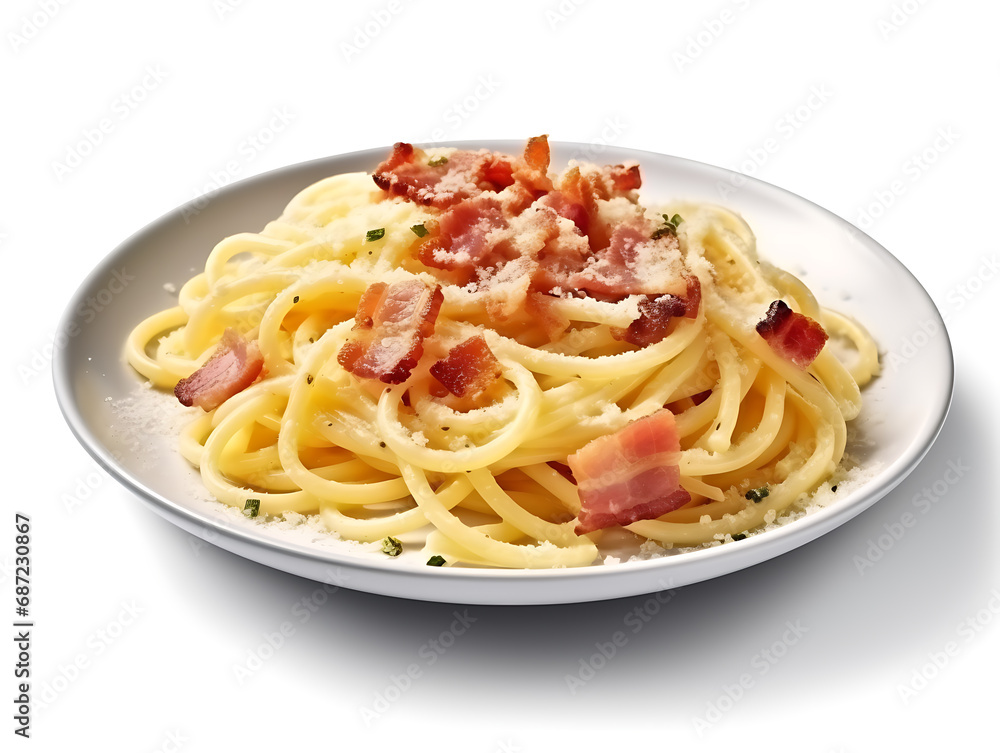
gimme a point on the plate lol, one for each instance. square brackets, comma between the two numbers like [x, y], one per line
[903, 412]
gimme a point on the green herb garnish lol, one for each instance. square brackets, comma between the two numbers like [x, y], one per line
[251, 508]
[739, 536]
[437, 161]
[295, 299]
[392, 547]
[374, 235]
[669, 226]
[436, 561]
[419, 230]
[756, 495]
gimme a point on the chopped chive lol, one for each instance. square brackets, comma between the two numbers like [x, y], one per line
[374, 235]
[437, 161]
[295, 299]
[392, 547]
[419, 230]
[756, 495]
[251, 508]
[436, 561]
[669, 226]
[739, 536]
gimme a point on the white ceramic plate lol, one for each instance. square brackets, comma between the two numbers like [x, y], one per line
[903, 413]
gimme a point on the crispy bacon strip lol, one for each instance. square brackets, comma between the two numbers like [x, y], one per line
[583, 191]
[462, 242]
[532, 170]
[470, 368]
[618, 270]
[503, 230]
[390, 326]
[629, 475]
[623, 177]
[792, 335]
[656, 313]
[463, 175]
[233, 367]
[566, 207]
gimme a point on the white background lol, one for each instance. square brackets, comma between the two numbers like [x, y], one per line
[884, 112]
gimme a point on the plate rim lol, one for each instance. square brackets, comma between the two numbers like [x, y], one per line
[295, 558]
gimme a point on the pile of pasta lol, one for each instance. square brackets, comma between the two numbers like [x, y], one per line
[488, 485]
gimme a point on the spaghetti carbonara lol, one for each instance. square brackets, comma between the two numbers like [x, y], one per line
[512, 361]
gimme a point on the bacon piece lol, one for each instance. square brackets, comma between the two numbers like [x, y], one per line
[792, 335]
[610, 274]
[537, 154]
[692, 298]
[545, 314]
[470, 368]
[653, 322]
[390, 326]
[233, 367]
[460, 176]
[629, 475]
[562, 205]
[462, 242]
[580, 189]
[655, 315]
[623, 177]
[634, 263]
[532, 169]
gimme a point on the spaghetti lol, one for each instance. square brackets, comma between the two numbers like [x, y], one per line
[436, 349]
